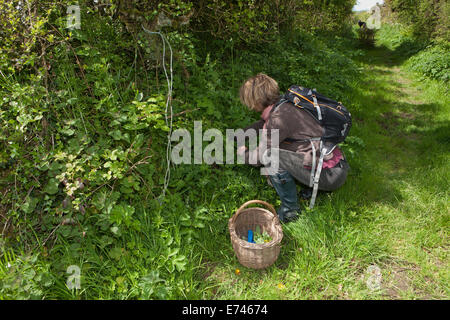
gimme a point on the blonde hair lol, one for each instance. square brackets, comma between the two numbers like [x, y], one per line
[259, 91]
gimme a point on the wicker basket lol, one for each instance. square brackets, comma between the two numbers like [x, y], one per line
[253, 255]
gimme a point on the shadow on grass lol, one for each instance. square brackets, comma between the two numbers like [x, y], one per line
[381, 55]
[400, 131]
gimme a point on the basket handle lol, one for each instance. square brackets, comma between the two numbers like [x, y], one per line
[268, 205]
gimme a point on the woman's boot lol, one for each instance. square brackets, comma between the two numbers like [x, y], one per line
[286, 188]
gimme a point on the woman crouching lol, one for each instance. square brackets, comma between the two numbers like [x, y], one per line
[296, 127]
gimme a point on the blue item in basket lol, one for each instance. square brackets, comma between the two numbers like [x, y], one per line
[250, 236]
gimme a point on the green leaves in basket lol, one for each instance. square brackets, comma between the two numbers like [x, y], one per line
[261, 238]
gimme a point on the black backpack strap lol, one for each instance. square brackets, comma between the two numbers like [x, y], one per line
[328, 147]
[279, 103]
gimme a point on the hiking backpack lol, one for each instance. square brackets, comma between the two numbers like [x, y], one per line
[331, 115]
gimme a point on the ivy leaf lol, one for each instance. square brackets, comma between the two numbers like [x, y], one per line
[67, 131]
[99, 200]
[52, 186]
[29, 205]
[105, 241]
[122, 213]
[179, 263]
[115, 253]
[116, 134]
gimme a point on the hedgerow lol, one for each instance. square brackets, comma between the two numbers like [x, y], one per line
[83, 132]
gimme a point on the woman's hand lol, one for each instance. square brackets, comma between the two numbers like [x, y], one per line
[241, 150]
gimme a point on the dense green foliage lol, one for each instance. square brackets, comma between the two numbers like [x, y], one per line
[414, 26]
[428, 18]
[433, 62]
[430, 60]
[83, 140]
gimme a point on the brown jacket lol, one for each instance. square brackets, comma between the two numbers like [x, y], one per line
[293, 123]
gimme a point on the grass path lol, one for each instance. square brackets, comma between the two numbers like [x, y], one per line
[413, 142]
[391, 219]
